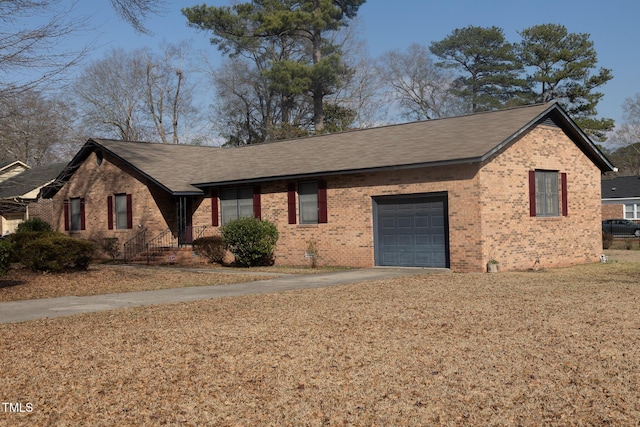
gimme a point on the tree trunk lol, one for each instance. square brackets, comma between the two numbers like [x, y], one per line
[318, 95]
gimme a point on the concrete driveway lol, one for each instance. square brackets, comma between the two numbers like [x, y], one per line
[20, 311]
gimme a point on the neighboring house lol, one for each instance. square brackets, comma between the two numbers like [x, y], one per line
[11, 168]
[19, 190]
[521, 186]
[621, 198]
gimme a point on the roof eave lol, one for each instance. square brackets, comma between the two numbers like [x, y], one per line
[336, 173]
[87, 149]
[578, 136]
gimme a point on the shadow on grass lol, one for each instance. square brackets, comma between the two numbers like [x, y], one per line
[10, 283]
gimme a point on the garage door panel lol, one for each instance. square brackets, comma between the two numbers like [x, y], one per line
[412, 232]
[389, 222]
[405, 240]
[390, 240]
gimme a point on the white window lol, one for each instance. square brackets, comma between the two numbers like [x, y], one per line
[632, 211]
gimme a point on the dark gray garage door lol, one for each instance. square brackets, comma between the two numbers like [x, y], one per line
[411, 231]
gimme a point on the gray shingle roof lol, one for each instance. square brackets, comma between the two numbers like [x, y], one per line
[621, 187]
[472, 138]
[30, 179]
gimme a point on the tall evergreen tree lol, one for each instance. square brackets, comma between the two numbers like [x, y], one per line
[562, 65]
[313, 64]
[488, 66]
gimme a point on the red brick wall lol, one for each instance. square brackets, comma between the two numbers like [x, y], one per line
[95, 183]
[347, 237]
[519, 241]
[612, 211]
[488, 208]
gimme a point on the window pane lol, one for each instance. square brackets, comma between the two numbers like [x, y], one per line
[245, 202]
[236, 203]
[547, 203]
[308, 199]
[75, 214]
[629, 211]
[121, 211]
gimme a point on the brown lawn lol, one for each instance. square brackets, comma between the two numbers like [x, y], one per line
[557, 347]
[23, 284]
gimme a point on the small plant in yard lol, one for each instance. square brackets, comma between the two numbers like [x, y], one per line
[5, 256]
[312, 252]
[607, 240]
[251, 241]
[211, 247]
[110, 246]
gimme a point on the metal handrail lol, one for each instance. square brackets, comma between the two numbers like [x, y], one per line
[135, 245]
[166, 239]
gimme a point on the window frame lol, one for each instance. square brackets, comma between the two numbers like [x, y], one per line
[238, 202]
[74, 214]
[121, 213]
[296, 208]
[635, 208]
[122, 220]
[548, 193]
[308, 211]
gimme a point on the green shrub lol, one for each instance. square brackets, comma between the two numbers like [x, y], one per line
[34, 224]
[212, 247]
[56, 252]
[23, 238]
[6, 249]
[251, 241]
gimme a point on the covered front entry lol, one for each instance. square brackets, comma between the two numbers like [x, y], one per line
[411, 231]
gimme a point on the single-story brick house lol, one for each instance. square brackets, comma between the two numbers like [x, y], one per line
[521, 186]
[621, 198]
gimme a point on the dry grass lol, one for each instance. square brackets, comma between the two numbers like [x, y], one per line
[557, 347]
[23, 284]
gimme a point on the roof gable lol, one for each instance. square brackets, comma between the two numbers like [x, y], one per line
[28, 183]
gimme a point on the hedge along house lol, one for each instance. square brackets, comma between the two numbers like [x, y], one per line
[521, 186]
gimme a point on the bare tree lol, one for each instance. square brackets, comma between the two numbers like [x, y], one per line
[34, 128]
[137, 95]
[135, 12]
[32, 33]
[362, 91]
[420, 88]
[168, 96]
[110, 94]
[625, 139]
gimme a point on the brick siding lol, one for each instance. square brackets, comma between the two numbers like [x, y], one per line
[95, 183]
[488, 208]
[612, 211]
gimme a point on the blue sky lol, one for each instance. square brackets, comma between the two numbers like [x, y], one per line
[388, 25]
